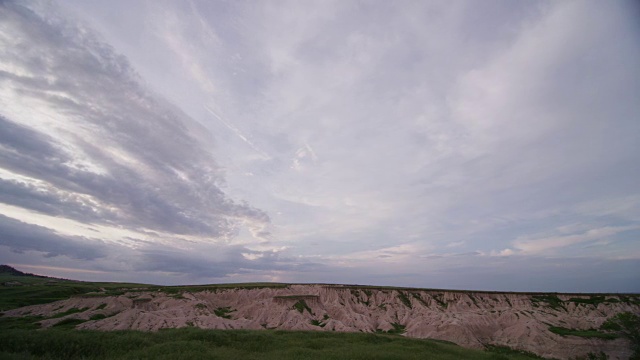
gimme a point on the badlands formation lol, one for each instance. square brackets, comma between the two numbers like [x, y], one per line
[470, 319]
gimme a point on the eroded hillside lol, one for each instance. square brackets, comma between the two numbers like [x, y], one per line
[545, 324]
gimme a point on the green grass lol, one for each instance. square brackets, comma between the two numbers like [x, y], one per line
[632, 300]
[627, 325]
[37, 290]
[358, 295]
[594, 300]
[98, 317]
[507, 351]
[473, 299]
[397, 329]
[405, 300]
[301, 306]
[215, 287]
[296, 297]
[591, 333]
[223, 312]
[439, 299]
[194, 343]
[419, 298]
[68, 323]
[69, 312]
[23, 323]
[552, 301]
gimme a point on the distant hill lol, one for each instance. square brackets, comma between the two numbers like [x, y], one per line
[8, 270]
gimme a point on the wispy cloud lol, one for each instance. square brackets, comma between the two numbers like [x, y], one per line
[83, 140]
[501, 128]
[530, 245]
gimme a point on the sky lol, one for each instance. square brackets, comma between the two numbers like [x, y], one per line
[489, 145]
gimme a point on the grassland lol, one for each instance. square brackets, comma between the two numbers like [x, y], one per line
[590, 333]
[194, 343]
[32, 290]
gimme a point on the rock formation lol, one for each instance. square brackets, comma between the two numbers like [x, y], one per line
[471, 319]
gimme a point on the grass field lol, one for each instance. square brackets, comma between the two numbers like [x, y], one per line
[32, 290]
[591, 333]
[193, 343]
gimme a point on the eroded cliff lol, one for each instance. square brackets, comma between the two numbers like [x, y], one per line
[471, 319]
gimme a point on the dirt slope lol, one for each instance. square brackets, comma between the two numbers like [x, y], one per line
[471, 319]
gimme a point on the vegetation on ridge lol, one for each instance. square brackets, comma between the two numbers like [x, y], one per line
[624, 324]
[301, 306]
[223, 312]
[405, 300]
[627, 325]
[589, 333]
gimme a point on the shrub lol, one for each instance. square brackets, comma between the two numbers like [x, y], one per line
[626, 324]
[223, 312]
[301, 306]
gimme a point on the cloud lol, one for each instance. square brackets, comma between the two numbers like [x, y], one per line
[139, 258]
[40, 268]
[455, 126]
[540, 245]
[93, 144]
[20, 237]
[215, 261]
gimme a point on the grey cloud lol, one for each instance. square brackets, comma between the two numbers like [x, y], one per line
[513, 273]
[28, 151]
[468, 123]
[20, 236]
[123, 188]
[177, 187]
[51, 203]
[28, 144]
[471, 253]
[215, 261]
[518, 273]
[185, 263]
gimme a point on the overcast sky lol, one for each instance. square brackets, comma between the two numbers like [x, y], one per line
[490, 145]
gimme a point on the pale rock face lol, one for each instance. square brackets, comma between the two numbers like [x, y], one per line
[471, 319]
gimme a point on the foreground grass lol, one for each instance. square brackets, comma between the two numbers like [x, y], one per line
[194, 343]
[590, 333]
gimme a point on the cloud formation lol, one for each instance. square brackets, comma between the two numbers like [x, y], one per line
[20, 237]
[263, 139]
[82, 139]
[102, 135]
